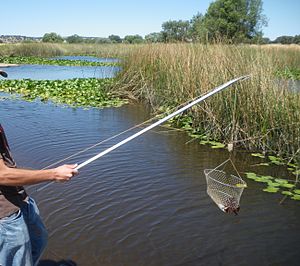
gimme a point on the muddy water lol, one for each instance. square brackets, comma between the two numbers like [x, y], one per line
[146, 202]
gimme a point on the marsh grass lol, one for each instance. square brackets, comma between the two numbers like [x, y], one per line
[59, 49]
[258, 114]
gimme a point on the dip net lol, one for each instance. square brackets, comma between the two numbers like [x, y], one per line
[225, 189]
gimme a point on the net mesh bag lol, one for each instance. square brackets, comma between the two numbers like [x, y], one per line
[224, 189]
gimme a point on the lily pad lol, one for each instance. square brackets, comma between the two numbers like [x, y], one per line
[296, 172]
[297, 191]
[288, 185]
[275, 160]
[281, 181]
[292, 165]
[251, 175]
[296, 197]
[204, 142]
[268, 177]
[271, 189]
[273, 184]
[261, 180]
[262, 164]
[218, 146]
[288, 193]
[258, 155]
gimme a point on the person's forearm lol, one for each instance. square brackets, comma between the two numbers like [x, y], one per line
[20, 177]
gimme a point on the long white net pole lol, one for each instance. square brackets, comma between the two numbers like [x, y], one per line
[198, 100]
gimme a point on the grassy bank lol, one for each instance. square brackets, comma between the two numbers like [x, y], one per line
[258, 114]
[59, 49]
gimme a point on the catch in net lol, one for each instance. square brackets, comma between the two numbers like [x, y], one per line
[225, 189]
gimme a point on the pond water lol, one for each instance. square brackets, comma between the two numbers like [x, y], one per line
[51, 72]
[42, 72]
[146, 202]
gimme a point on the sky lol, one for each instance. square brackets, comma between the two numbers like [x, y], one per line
[101, 18]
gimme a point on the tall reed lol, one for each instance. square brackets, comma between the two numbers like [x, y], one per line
[57, 49]
[261, 113]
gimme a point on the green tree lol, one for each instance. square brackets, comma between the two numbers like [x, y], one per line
[74, 39]
[52, 37]
[115, 38]
[197, 29]
[133, 39]
[154, 37]
[175, 30]
[236, 20]
[102, 40]
[297, 39]
[284, 40]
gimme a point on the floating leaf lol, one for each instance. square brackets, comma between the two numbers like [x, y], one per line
[195, 136]
[260, 179]
[296, 172]
[281, 181]
[218, 146]
[297, 191]
[268, 177]
[251, 175]
[204, 142]
[288, 193]
[273, 184]
[292, 165]
[296, 197]
[288, 185]
[271, 189]
[275, 160]
[262, 164]
[258, 155]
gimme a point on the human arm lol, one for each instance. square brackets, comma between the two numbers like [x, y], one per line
[19, 177]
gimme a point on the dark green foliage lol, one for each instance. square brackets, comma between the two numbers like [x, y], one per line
[235, 20]
[288, 39]
[289, 73]
[175, 30]
[197, 30]
[115, 38]
[75, 39]
[133, 39]
[52, 37]
[154, 37]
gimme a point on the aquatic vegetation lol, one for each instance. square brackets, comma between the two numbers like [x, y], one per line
[257, 114]
[46, 61]
[258, 155]
[289, 73]
[75, 92]
[275, 185]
